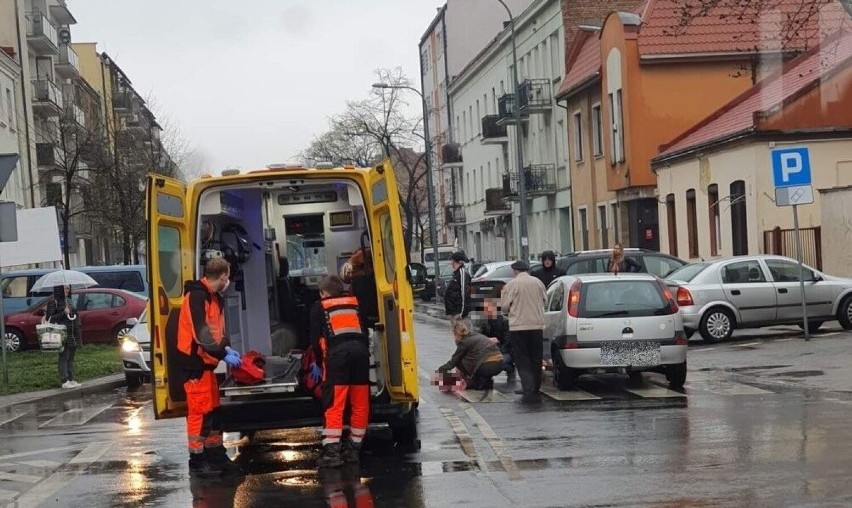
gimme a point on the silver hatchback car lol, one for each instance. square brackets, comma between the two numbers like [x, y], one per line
[719, 296]
[625, 322]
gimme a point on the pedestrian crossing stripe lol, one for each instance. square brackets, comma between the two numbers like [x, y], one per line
[75, 416]
[568, 395]
[655, 392]
[482, 396]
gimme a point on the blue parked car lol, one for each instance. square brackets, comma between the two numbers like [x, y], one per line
[16, 285]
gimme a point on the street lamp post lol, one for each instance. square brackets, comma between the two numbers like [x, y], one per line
[522, 184]
[430, 189]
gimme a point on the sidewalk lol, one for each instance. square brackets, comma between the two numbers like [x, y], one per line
[101, 384]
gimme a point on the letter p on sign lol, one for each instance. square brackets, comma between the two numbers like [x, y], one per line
[791, 166]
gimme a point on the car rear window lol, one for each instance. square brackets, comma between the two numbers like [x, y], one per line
[127, 280]
[622, 298]
[687, 272]
[586, 265]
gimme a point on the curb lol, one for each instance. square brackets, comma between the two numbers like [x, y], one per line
[92, 386]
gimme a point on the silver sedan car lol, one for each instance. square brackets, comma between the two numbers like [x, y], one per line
[613, 323]
[717, 297]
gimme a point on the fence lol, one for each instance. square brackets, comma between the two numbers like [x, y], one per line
[783, 243]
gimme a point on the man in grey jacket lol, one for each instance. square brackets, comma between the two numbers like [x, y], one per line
[523, 299]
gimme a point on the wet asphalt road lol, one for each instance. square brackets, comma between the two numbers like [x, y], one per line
[763, 421]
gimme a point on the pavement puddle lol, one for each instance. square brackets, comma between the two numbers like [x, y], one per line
[655, 392]
[568, 395]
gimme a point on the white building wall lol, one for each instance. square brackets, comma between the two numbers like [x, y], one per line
[474, 94]
[16, 188]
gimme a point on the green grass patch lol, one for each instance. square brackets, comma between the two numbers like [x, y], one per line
[33, 370]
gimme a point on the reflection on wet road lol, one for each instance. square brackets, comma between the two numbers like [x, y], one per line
[727, 439]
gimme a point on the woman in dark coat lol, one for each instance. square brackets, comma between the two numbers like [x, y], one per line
[61, 311]
[477, 358]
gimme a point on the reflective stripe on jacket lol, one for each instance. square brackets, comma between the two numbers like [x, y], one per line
[341, 318]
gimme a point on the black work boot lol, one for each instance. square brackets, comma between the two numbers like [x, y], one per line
[350, 452]
[330, 456]
[200, 465]
[218, 456]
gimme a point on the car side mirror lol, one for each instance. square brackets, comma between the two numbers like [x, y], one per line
[132, 321]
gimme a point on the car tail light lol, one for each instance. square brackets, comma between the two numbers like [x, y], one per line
[684, 297]
[574, 299]
[671, 299]
[680, 338]
[570, 345]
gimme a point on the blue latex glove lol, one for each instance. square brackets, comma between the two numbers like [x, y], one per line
[234, 352]
[316, 373]
[232, 359]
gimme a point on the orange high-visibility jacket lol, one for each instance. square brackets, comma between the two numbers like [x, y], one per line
[201, 327]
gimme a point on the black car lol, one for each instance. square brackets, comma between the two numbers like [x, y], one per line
[597, 261]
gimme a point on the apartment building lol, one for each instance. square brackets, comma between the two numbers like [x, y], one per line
[460, 29]
[18, 186]
[482, 101]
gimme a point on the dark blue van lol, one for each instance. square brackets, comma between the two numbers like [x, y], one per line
[16, 284]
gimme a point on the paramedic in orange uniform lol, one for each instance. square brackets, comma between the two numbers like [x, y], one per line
[202, 344]
[343, 361]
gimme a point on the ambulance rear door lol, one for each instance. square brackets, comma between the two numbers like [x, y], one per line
[170, 249]
[396, 303]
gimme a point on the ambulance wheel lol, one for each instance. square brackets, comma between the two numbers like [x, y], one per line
[404, 430]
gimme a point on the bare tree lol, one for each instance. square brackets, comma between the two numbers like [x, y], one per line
[378, 127]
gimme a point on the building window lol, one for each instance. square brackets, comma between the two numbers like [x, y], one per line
[671, 219]
[620, 126]
[474, 194]
[578, 136]
[478, 117]
[584, 229]
[613, 152]
[715, 220]
[739, 226]
[691, 223]
[614, 207]
[555, 61]
[53, 194]
[597, 130]
[603, 231]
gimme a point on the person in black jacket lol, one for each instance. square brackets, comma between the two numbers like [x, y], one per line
[619, 263]
[61, 311]
[548, 271]
[457, 296]
[497, 326]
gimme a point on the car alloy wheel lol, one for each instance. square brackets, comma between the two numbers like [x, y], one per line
[718, 324]
[13, 341]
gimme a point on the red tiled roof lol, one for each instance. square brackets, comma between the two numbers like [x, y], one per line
[728, 27]
[739, 115]
[586, 63]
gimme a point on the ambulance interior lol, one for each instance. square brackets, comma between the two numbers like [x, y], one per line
[281, 238]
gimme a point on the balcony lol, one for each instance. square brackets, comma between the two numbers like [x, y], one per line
[506, 109]
[74, 115]
[46, 156]
[451, 155]
[41, 34]
[122, 102]
[494, 204]
[47, 98]
[454, 215]
[539, 180]
[68, 64]
[536, 96]
[61, 13]
[493, 132]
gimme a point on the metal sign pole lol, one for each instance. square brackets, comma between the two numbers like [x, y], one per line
[3, 334]
[801, 272]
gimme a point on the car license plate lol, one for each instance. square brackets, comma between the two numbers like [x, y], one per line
[634, 354]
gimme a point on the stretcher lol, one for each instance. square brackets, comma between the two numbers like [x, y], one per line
[281, 375]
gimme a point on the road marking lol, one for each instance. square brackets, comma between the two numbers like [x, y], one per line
[460, 431]
[785, 340]
[76, 416]
[701, 350]
[714, 383]
[5, 458]
[9, 419]
[39, 463]
[655, 392]
[509, 465]
[91, 453]
[55, 482]
[748, 344]
[482, 396]
[562, 395]
[22, 478]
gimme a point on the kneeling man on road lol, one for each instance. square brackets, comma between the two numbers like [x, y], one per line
[523, 298]
[477, 357]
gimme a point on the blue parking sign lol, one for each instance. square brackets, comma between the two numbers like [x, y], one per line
[791, 167]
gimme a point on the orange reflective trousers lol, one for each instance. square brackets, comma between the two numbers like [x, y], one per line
[202, 400]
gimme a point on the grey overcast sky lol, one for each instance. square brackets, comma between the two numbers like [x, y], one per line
[251, 82]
